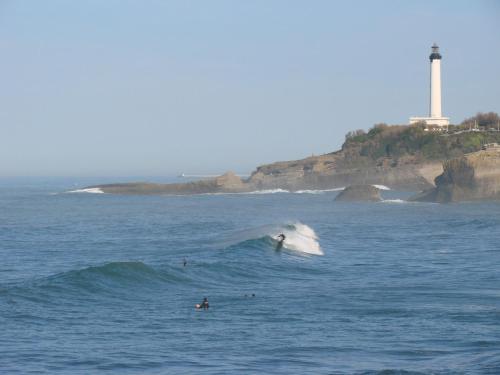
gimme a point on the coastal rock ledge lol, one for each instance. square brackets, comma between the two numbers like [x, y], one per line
[227, 183]
[359, 193]
[474, 176]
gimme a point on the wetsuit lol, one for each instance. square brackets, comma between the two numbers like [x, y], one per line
[281, 239]
[204, 305]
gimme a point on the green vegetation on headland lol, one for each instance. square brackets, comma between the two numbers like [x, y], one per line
[414, 142]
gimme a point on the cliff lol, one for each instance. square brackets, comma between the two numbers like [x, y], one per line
[339, 169]
[475, 176]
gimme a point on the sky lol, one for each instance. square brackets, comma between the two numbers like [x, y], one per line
[158, 88]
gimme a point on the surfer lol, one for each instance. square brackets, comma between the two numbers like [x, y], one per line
[204, 305]
[184, 262]
[281, 238]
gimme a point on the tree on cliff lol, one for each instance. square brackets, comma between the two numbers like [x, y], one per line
[488, 120]
[355, 134]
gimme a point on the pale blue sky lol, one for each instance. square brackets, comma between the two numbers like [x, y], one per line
[116, 88]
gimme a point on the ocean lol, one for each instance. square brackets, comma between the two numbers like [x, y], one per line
[96, 283]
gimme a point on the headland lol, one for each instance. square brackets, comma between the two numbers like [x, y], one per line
[403, 157]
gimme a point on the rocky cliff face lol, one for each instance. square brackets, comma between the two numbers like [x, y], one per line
[338, 170]
[474, 176]
[319, 172]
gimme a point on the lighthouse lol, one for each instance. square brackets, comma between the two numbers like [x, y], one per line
[435, 105]
[435, 121]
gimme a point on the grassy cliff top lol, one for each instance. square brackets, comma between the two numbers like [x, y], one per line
[413, 142]
[389, 146]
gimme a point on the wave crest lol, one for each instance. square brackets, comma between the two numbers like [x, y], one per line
[87, 190]
[111, 275]
[299, 238]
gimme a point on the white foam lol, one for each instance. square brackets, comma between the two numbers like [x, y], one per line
[382, 187]
[275, 191]
[302, 238]
[394, 201]
[280, 191]
[88, 190]
[318, 191]
[268, 191]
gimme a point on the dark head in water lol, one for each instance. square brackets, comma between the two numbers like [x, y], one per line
[281, 238]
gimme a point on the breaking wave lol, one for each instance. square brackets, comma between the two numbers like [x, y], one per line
[264, 191]
[394, 201]
[268, 191]
[382, 187]
[299, 238]
[255, 192]
[87, 190]
[302, 238]
[319, 191]
[280, 191]
[305, 191]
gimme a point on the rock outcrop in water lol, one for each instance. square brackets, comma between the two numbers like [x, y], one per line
[474, 176]
[227, 183]
[359, 193]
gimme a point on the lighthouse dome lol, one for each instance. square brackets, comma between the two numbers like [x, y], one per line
[435, 55]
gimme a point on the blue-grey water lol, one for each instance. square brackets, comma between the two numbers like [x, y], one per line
[95, 283]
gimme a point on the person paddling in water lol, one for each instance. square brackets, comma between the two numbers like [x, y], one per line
[204, 305]
[281, 238]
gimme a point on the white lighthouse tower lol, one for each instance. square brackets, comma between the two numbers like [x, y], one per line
[435, 119]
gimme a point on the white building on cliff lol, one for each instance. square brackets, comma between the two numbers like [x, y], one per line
[435, 121]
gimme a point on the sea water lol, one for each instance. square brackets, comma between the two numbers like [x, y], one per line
[95, 283]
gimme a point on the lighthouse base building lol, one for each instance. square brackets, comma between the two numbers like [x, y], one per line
[435, 121]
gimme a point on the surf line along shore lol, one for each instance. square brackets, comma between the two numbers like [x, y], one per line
[230, 183]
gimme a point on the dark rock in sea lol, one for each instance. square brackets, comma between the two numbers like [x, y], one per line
[474, 176]
[359, 193]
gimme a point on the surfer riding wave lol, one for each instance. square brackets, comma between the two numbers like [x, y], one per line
[281, 238]
[291, 236]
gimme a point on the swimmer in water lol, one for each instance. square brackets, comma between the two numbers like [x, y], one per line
[204, 305]
[281, 238]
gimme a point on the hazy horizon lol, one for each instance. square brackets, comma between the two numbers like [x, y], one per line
[129, 88]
